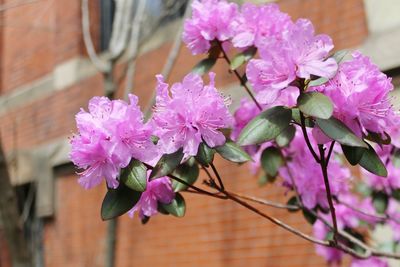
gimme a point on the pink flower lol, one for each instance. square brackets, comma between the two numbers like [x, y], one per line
[310, 51]
[191, 113]
[257, 24]
[210, 21]
[300, 53]
[157, 191]
[110, 134]
[272, 73]
[370, 262]
[360, 94]
[308, 176]
[243, 115]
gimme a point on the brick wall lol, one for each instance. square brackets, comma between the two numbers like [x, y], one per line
[35, 38]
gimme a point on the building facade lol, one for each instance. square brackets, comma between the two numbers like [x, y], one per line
[46, 77]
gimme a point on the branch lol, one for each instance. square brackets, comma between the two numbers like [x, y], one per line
[324, 170]
[306, 138]
[242, 82]
[330, 152]
[102, 66]
[266, 202]
[221, 184]
[379, 217]
[278, 222]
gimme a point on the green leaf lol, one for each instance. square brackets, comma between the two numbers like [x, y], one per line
[329, 236]
[353, 154]
[285, 137]
[154, 139]
[187, 172]
[372, 163]
[177, 207]
[311, 219]
[396, 158]
[205, 154]
[243, 57]
[264, 179]
[338, 131]
[340, 55]
[272, 160]
[296, 117]
[396, 194]
[266, 126]
[167, 164]
[232, 152]
[161, 209]
[135, 176]
[118, 201]
[204, 66]
[380, 201]
[318, 82]
[315, 104]
[145, 219]
[293, 202]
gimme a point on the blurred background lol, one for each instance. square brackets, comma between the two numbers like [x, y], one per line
[57, 54]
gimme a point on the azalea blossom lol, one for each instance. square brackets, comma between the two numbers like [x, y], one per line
[309, 51]
[258, 24]
[157, 191]
[360, 94]
[299, 54]
[272, 73]
[189, 113]
[210, 21]
[109, 135]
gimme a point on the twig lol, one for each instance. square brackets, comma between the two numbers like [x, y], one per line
[306, 138]
[375, 216]
[242, 82]
[296, 190]
[266, 202]
[324, 170]
[278, 222]
[328, 157]
[202, 191]
[221, 184]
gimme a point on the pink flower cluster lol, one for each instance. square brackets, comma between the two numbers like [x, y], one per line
[113, 131]
[300, 53]
[288, 49]
[211, 20]
[189, 113]
[360, 93]
[110, 134]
